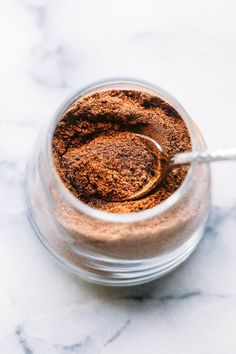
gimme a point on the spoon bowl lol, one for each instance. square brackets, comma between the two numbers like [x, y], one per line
[160, 175]
[170, 163]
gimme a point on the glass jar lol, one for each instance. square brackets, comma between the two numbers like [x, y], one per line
[110, 248]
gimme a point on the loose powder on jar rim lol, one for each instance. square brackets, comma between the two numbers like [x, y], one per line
[100, 159]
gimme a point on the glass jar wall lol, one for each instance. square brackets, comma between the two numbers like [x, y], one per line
[110, 248]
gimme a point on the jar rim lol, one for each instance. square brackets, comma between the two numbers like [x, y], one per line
[122, 83]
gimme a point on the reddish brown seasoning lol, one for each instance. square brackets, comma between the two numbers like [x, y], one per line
[99, 158]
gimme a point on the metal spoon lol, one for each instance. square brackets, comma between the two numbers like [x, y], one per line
[179, 160]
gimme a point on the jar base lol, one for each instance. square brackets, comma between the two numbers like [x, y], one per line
[108, 271]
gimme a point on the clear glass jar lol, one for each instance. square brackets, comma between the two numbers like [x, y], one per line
[141, 246]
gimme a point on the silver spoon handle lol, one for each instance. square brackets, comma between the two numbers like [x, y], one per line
[206, 156]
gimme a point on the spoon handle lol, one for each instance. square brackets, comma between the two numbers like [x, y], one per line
[203, 157]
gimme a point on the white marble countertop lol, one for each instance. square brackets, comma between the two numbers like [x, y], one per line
[48, 50]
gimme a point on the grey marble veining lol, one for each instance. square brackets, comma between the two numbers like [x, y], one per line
[48, 50]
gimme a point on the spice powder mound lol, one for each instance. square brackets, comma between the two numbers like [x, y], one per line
[100, 159]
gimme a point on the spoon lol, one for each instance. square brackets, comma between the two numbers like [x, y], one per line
[179, 160]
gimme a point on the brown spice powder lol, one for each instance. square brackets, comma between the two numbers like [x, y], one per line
[98, 157]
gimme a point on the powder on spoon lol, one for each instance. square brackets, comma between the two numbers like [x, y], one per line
[112, 167]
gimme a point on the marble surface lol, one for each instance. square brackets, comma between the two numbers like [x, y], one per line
[48, 50]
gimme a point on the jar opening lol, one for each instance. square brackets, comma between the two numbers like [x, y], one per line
[131, 216]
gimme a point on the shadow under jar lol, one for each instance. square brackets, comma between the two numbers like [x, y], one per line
[110, 248]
